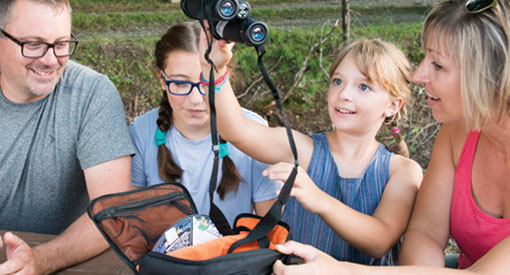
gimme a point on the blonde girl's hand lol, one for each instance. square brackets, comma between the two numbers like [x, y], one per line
[304, 188]
[316, 261]
[220, 55]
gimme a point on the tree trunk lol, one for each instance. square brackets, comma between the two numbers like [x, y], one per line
[346, 19]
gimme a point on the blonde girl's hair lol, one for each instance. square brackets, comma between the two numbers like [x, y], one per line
[184, 37]
[477, 44]
[383, 63]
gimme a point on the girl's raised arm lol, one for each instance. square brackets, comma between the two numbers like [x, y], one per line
[265, 144]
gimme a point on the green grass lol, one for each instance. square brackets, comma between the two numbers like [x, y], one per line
[100, 6]
[125, 21]
[134, 17]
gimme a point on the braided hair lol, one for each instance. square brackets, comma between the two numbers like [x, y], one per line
[184, 37]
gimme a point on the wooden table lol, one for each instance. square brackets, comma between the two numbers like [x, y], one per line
[105, 263]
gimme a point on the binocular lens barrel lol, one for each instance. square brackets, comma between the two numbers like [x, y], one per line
[257, 33]
[231, 20]
[247, 31]
[227, 9]
[223, 9]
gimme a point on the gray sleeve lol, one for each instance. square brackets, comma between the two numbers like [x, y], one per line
[103, 131]
[137, 163]
[263, 188]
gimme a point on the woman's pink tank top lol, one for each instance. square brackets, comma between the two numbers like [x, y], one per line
[474, 231]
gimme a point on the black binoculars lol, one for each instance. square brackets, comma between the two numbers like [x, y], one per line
[231, 20]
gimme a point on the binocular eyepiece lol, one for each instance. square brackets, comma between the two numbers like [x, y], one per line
[231, 20]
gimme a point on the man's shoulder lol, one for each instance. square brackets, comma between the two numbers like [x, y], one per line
[78, 75]
[80, 81]
[74, 69]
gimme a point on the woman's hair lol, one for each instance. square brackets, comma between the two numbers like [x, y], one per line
[184, 37]
[477, 44]
[383, 63]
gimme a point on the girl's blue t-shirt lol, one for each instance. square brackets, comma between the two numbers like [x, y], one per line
[195, 158]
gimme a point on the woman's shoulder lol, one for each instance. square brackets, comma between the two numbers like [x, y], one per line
[451, 138]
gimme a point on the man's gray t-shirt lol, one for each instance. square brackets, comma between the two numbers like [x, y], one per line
[45, 145]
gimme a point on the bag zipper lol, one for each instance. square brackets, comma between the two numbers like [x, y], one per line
[116, 211]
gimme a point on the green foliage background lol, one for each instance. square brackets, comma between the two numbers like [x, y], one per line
[117, 38]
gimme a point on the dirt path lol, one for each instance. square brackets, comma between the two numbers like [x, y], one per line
[398, 3]
[367, 3]
[315, 20]
[385, 14]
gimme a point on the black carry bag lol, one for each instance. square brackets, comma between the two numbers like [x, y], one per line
[133, 221]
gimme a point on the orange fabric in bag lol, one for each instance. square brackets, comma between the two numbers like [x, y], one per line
[220, 246]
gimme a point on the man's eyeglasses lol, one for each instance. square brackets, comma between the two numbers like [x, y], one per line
[477, 6]
[182, 87]
[36, 49]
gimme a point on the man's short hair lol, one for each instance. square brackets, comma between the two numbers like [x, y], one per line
[7, 5]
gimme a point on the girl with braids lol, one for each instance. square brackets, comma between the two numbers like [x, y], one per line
[173, 142]
[352, 197]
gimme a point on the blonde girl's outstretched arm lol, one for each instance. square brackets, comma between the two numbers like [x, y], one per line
[376, 234]
[265, 144]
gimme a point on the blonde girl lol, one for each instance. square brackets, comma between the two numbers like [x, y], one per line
[353, 197]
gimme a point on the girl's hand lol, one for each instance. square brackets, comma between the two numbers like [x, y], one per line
[304, 189]
[220, 55]
[316, 261]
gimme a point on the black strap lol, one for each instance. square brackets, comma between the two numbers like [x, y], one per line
[269, 221]
[273, 216]
[215, 213]
[276, 95]
[264, 242]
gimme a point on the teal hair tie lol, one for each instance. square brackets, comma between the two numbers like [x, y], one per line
[223, 150]
[159, 137]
